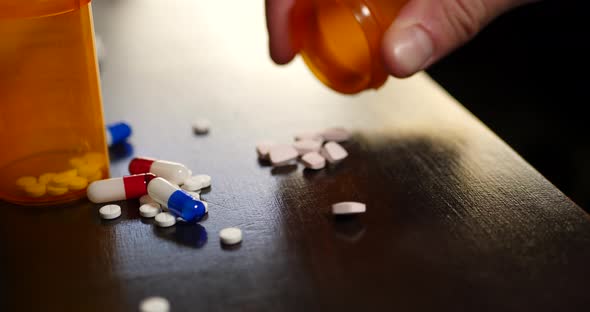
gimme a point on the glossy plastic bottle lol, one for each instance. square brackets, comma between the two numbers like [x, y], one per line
[51, 123]
[340, 40]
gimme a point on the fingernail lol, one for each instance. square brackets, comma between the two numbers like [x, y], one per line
[412, 48]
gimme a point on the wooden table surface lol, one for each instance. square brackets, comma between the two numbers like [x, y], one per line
[455, 221]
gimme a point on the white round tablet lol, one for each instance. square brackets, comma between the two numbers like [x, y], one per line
[348, 208]
[197, 182]
[165, 219]
[201, 126]
[149, 210]
[110, 212]
[230, 236]
[154, 304]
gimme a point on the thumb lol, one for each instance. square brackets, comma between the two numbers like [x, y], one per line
[427, 30]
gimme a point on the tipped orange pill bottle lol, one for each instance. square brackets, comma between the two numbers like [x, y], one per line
[51, 123]
[340, 40]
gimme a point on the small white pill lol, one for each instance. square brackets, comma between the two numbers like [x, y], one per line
[154, 304]
[348, 208]
[336, 134]
[146, 199]
[230, 236]
[315, 136]
[195, 195]
[333, 152]
[197, 182]
[281, 155]
[165, 219]
[110, 212]
[149, 210]
[263, 149]
[313, 161]
[201, 126]
[307, 146]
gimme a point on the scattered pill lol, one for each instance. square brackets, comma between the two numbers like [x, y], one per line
[149, 210]
[348, 208]
[117, 133]
[315, 136]
[24, 181]
[146, 199]
[115, 189]
[77, 183]
[197, 182]
[55, 190]
[336, 134]
[60, 180]
[179, 202]
[333, 152]
[154, 304]
[46, 177]
[230, 236]
[171, 171]
[263, 149]
[281, 155]
[110, 212]
[165, 219]
[35, 190]
[307, 146]
[313, 161]
[201, 126]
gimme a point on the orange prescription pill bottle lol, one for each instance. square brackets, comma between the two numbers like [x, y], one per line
[51, 124]
[340, 40]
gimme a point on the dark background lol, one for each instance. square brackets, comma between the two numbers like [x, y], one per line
[524, 77]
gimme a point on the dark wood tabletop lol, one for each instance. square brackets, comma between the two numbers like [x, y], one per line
[455, 221]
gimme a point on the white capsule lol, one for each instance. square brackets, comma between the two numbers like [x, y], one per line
[165, 219]
[333, 152]
[336, 134]
[313, 161]
[307, 146]
[149, 210]
[281, 155]
[171, 171]
[109, 212]
[348, 208]
[230, 236]
[263, 149]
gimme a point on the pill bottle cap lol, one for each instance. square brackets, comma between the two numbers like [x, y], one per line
[340, 41]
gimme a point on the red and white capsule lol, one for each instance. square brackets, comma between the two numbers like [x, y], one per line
[116, 189]
[171, 171]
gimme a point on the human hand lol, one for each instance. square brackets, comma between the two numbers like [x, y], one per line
[424, 31]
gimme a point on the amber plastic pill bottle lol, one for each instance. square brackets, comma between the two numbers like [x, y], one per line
[340, 40]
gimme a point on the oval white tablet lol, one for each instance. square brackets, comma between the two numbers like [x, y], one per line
[196, 183]
[348, 208]
[154, 304]
[165, 219]
[337, 134]
[281, 155]
[333, 152]
[230, 236]
[108, 212]
[149, 210]
[313, 161]
[307, 146]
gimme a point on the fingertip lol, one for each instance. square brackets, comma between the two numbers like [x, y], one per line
[281, 55]
[406, 50]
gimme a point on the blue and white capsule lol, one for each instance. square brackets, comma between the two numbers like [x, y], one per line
[117, 133]
[180, 203]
